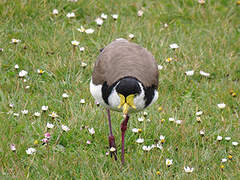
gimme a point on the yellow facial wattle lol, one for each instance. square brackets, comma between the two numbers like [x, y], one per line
[126, 103]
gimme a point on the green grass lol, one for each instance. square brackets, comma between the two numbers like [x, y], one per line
[208, 36]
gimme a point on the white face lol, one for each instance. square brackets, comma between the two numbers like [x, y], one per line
[114, 99]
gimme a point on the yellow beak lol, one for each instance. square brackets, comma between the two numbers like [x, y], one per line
[126, 103]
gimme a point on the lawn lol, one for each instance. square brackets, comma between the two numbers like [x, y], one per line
[197, 113]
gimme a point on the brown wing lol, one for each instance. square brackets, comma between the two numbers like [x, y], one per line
[122, 58]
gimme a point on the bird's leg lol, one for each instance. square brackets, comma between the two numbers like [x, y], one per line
[123, 129]
[111, 138]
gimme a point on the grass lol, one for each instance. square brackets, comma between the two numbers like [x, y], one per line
[208, 36]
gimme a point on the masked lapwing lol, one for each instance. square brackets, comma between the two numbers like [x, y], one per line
[125, 79]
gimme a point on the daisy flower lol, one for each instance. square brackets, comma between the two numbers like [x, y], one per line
[53, 115]
[219, 138]
[37, 114]
[162, 139]
[12, 147]
[99, 21]
[160, 67]
[171, 119]
[50, 126]
[88, 142]
[70, 15]
[44, 108]
[91, 131]
[234, 143]
[140, 140]
[75, 43]
[169, 59]
[81, 49]
[112, 149]
[16, 66]
[199, 113]
[204, 74]
[174, 46]
[31, 150]
[189, 73]
[24, 112]
[178, 121]
[55, 12]
[224, 160]
[227, 138]
[15, 41]
[11, 105]
[82, 101]
[40, 71]
[83, 64]
[221, 105]
[89, 31]
[81, 29]
[65, 128]
[188, 169]
[202, 132]
[115, 16]
[135, 130]
[131, 36]
[169, 162]
[141, 119]
[22, 73]
[104, 16]
[140, 13]
[147, 148]
[65, 95]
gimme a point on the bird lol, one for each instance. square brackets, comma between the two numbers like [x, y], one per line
[125, 78]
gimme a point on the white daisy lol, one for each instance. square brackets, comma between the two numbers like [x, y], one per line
[141, 119]
[55, 12]
[189, 73]
[104, 16]
[83, 64]
[44, 108]
[70, 15]
[81, 29]
[82, 101]
[50, 126]
[12, 147]
[112, 149]
[99, 21]
[91, 131]
[75, 43]
[89, 31]
[31, 150]
[169, 162]
[227, 138]
[146, 148]
[171, 119]
[15, 41]
[131, 36]
[174, 46]
[81, 49]
[24, 111]
[140, 13]
[234, 143]
[65, 95]
[16, 66]
[65, 128]
[188, 169]
[22, 73]
[160, 67]
[219, 138]
[221, 105]
[224, 160]
[199, 113]
[115, 16]
[204, 74]
[37, 114]
[140, 140]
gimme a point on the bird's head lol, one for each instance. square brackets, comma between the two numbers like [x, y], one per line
[128, 88]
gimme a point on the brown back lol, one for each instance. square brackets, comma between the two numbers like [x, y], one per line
[122, 58]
